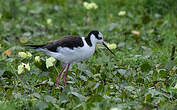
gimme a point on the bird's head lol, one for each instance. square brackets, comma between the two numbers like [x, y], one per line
[97, 37]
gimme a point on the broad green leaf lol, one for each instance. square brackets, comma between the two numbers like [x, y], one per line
[41, 105]
[2, 72]
[148, 97]
[94, 98]
[163, 73]
[37, 95]
[50, 99]
[82, 98]
[145, 67]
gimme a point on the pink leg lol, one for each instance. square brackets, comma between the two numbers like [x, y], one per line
[64, 78]
[59, 75]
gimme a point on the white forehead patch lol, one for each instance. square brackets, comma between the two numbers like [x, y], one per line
[100, 35]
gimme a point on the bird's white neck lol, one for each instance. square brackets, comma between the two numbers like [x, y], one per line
[93, 41]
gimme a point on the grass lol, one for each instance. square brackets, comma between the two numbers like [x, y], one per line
[140, 76]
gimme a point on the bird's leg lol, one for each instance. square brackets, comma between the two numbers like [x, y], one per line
[59, 75]
[64, 78]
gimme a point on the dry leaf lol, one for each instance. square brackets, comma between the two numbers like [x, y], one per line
[7, 52]
[135, 32]
[172, 72]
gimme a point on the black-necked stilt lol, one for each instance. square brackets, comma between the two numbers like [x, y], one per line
[72, 49]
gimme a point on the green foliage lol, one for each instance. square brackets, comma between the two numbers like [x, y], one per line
[140, 76]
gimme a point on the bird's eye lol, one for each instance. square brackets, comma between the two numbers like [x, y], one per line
[100, 38]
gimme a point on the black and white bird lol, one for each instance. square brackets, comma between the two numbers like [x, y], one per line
[71, 49]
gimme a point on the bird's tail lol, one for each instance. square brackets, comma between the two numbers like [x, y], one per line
[34, 46]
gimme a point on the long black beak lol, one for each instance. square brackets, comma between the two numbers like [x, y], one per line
[108, 48]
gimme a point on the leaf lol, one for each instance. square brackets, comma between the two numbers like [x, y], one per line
[2, 72]
[122, 71]
[41, 105]
[83, 78]
[95, 98]
[146, 19]
[121, 44]
[163, 73]
[50, 99]
[41, 65]
[145, 67]
[158, 39]
[148, 97]
[140, 80]
[78, 95]
[37, 95]
[7, 74]
[96, 86]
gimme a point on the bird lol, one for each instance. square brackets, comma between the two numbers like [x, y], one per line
[71, 49]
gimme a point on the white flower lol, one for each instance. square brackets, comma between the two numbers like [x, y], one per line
[22, 67]
[37, 58]
[112, 46]
[50, 62]
[122, 13]
[91, 5]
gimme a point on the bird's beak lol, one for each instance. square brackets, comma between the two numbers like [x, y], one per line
[108, 48]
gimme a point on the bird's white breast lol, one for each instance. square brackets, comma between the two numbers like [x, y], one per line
[68, 55]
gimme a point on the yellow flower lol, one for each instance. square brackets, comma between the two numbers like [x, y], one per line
[122, 13]
[49, 21]
[28, 54]
[94, 5]
[22, 67]
[112, 46]
[37, 58]
[49, 62]
[27, 67]
[24, 55]
[91, 5]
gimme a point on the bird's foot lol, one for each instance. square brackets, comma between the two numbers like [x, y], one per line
[64, 81]
[57, 80]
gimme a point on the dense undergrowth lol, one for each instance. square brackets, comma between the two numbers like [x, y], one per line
[142, 75]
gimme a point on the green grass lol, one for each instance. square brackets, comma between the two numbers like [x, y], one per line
[140, 76]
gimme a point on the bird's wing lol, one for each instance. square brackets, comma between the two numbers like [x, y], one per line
[68, 42]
